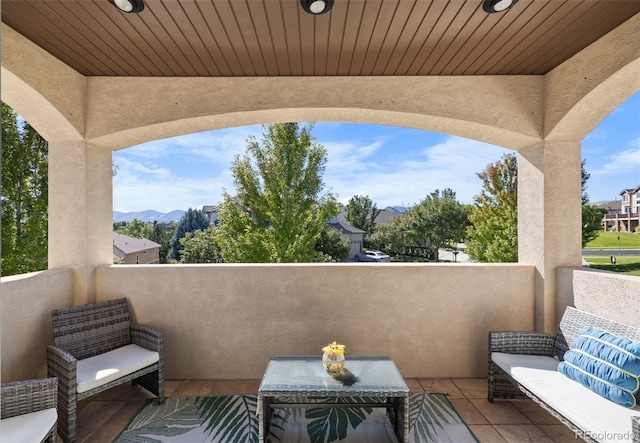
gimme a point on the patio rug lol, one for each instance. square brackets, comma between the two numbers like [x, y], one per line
[233, 419]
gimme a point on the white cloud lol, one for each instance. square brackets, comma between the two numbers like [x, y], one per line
[623, 161]
[408, 179]
[384, 169]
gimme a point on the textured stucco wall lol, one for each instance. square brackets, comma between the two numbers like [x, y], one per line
[608, 294]
[27, 302]
[225, 321]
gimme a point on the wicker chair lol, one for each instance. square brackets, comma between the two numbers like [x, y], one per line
[101, 331]
[25, 397]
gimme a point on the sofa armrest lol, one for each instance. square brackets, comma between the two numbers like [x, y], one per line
[23, 397]
[64, 366]
[518, 342]
[148, 338]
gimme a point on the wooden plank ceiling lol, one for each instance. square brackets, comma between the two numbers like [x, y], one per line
[233, 38]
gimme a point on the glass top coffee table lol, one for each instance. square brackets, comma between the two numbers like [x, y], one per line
[303, 382]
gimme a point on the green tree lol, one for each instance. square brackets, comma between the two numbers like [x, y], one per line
[390, 236]
[437, 221]
[493, 234]
[279, 212]
[136, 228]
[162, 234]
[591, 215]
[191, 221]
[331, 247]
[200, 247]
[24, 196]
[362, 213]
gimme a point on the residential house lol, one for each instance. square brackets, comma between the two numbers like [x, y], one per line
[135, 251]
[627, 216]
[349, 233]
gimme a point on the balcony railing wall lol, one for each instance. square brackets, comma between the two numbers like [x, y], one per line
[608, 294]
[225, 321]
[27, 302]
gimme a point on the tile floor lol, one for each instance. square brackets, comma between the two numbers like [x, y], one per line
[102, 417]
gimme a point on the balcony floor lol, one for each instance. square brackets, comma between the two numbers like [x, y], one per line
[102, 417]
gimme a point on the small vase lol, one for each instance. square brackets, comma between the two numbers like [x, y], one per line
[332, 361]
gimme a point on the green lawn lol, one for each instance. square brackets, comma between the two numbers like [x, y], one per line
[609, 240]
[626, 264]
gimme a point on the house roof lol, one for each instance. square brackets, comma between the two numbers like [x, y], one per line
[631, 190]
[613, 205]
[343, 225]
[124, 245]
[387, 214]
[232, 38]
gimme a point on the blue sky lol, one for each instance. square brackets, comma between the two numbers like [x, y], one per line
[392, 165]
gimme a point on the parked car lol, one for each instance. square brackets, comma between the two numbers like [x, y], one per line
[377, 256]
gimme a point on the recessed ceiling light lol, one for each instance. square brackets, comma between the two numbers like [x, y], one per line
[316, 7]
[128, 5]
[491, 6]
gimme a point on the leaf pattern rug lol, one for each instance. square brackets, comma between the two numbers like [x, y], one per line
[233, 419]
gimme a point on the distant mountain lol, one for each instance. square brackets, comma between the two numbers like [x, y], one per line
[148, 216]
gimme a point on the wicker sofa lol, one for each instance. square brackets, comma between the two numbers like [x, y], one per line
[29, 411]
[97, 348]
[524, 364]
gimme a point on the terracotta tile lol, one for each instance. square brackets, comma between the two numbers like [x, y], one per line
[534, 412]
[413, 384]
[426, 384]
[235, 387]
[559, 433]
[472, 387]
[94, 415]
[500, 412]
[487, 434]
[468, 412]
[116, 423]
[170, 386]
[523, 433]
[194, 387]
[446, 386]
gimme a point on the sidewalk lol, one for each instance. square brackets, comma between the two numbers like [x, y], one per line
[448, 255]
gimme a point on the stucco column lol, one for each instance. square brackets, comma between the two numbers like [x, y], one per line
[549, 220]
[80, 213]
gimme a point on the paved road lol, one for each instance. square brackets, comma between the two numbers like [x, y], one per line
[610, 252]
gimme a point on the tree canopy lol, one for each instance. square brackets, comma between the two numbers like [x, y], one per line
[362, 213]
[437, 221]
[279, 210]
[591, 215]
[191, 221]
[200, 247]
[136, 228]
[25, 157]
[493, 234]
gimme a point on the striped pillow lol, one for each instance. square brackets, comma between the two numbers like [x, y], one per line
[606, 364]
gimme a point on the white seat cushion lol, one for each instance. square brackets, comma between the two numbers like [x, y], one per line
[104, 368]
[28, 428]
[602, 419]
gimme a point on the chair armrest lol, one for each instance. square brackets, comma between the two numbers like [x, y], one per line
[62, 364]
[148, 338]
[23, 397]
[518, 342]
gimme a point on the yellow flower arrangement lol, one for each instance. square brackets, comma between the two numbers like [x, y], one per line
[333, 357]
[334, 349]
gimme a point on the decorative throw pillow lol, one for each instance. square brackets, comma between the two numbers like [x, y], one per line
[606, 364]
